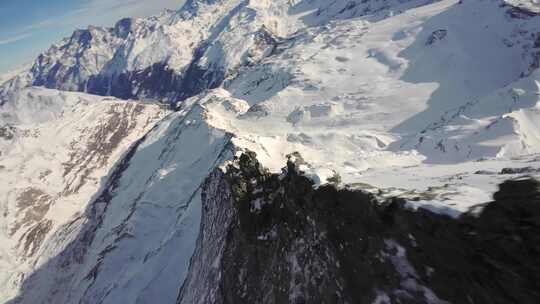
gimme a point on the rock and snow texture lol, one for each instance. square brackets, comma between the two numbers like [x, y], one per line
[56, 148]
[273, 238]
[529, 7]
[394, 102]
[179, 53]
[101, 198]
[134, 241]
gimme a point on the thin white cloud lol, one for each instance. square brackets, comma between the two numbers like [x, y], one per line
[100, 12]
[29, 30]
[131, 8]
[14, 38]
[104, 12]
[54, 21]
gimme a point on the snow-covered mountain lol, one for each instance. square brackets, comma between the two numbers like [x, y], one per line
[56, 150]
[145, 198]
[180, 53]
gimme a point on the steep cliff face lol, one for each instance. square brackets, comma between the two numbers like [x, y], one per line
[268, 238]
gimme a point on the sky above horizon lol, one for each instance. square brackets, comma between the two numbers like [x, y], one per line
[29, 27]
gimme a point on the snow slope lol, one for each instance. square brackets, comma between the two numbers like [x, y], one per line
[134, 241]
[356, 96]
[55, 150]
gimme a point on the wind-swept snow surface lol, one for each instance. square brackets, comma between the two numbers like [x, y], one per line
[412, 101]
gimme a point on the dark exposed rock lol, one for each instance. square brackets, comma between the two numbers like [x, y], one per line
[510, 171]
[32, 239]
[537, 41]
[156, 81]
[7, 132]
[519, 170]
[485, 172]
[520, 12]
[265, 44]
[436, 36]
[535, 62]
[81, 37]
[104, 139]
[123, 27]
[196, 79]
[269, 238]
[34, 204]
[257, 110]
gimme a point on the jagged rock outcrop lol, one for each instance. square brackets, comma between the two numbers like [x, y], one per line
[268, 238]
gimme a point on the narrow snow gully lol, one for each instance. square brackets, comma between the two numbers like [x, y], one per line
[270, 238]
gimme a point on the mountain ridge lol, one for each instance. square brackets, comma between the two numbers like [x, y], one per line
[120, 61]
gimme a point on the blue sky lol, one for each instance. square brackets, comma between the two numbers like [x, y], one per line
[28, 27]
